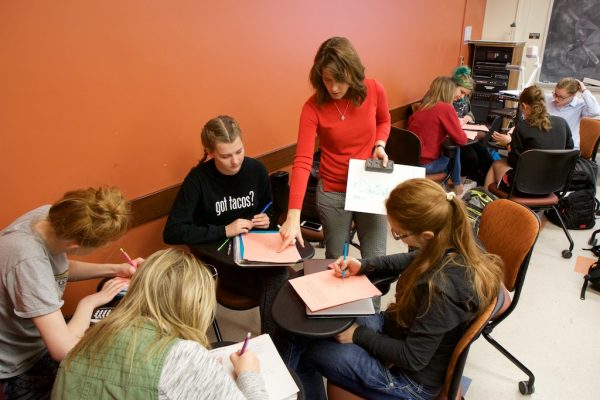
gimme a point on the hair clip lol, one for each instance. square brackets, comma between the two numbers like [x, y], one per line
[450, 196]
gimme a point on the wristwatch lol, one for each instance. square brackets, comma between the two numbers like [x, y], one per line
[376, 146]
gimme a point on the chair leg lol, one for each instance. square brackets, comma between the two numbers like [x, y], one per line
[565, 253]
[215, 326]
[592, 240]
[525, 387]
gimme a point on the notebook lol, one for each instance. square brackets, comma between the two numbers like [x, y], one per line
[260, 249]
[279, 383]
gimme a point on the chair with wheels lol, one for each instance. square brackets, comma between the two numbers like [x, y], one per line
[451, 389]
[510, 230]
[539, 175]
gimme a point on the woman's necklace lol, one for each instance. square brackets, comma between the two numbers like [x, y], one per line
[342, 114]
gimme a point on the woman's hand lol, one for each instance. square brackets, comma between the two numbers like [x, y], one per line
[260, 221]
[346, 336]
[246, 362]
[290, 230]
[125, 270]
[465, 120]
[581, 86]
[379, 152]
[237, 227]
[502, 138]
[108, 292]
[350, 265]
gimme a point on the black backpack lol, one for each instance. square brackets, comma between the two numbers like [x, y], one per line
[577, 210]
[475, 201]
[584, 176]
[592, 277]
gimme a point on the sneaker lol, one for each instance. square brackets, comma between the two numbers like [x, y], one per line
[468, 185]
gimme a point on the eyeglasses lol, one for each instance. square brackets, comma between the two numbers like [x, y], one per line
[213, 271]
[560, 97]
[397, 236]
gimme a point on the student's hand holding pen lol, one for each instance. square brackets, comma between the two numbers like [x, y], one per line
[350, 265]
[245, 362]
[127, 269]
[237, 227]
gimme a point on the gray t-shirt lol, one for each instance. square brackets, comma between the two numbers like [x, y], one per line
[32, 282]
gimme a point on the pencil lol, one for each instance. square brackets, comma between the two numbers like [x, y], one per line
[223, 244]
[245, 344]
[129, 260]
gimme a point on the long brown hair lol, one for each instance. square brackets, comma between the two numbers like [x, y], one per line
[441, 90]
[538, 116]
[339, 57]
[222, 129]
[92, 217]
[172, 291]
[420, 205]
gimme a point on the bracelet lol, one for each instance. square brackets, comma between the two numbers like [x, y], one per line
[376, 146]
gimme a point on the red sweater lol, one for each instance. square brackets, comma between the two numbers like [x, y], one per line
[339, 140]
[432, 126]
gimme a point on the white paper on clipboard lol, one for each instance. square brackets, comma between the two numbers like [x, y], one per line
[366, 190]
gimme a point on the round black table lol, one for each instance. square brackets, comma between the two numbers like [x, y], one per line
[289, 311]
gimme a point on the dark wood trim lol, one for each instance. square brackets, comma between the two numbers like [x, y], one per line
[158, 204]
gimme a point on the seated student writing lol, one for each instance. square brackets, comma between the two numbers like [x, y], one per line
[34, 270]
[433, 122]
[537, 130]
[154, 345]
[563, 102]
[403, 352]
[222, 197]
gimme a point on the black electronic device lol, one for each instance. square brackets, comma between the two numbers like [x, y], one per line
[313, 226]
[375, 165]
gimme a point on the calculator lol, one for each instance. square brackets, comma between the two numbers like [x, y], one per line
[101, 313]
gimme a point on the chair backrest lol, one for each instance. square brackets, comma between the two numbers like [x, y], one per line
[541, 172]
[456, 366]
[510, 230]
[589, 136]
[403, 147]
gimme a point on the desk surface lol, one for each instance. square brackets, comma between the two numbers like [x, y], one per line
[208, 252]
[289, 311]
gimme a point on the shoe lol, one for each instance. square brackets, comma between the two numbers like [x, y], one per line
[468, 185]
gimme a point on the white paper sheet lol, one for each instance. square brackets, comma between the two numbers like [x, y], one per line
[367, 190]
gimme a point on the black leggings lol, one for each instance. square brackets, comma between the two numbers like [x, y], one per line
[475, 161]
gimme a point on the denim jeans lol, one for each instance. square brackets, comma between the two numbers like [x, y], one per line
[353, 368]
[33, 384]
[442, 164]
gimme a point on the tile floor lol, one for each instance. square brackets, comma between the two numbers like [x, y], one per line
[551, 331]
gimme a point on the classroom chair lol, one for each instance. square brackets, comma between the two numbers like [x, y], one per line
[589, 138]
[539, 175]
[451, 390]
[404, 147]
[233, 301]
[510, 230]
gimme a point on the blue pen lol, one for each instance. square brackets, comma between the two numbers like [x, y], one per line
[265, 208]
[345, 254]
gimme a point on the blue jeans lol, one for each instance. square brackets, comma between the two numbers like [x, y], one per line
[353, 368]
[441, 164]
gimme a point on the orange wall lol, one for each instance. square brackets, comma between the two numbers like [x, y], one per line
[115, 92]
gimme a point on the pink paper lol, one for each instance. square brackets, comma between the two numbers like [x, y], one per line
[476, 127]
[262, 247]
[323, 289]
[471, 134]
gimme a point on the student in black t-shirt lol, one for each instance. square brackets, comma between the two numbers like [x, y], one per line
[221, 197]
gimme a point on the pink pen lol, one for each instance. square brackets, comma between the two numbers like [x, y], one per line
[129, 260]
[245, 344]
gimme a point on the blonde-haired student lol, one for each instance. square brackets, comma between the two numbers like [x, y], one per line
[34, 270]
[403, 352]
[154, 345]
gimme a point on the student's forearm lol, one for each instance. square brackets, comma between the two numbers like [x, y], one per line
[80, 321]
[79, 270]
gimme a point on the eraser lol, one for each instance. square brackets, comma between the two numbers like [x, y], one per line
[376, 165]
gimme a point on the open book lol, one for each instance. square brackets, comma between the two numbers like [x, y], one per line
[279, 383]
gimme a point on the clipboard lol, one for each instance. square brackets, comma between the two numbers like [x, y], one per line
[239, 256]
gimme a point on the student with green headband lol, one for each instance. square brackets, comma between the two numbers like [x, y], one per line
[475, 159]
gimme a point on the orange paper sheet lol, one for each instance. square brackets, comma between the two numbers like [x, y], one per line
[323, 289]
[262, 247]
[471, 134]
[476, 127]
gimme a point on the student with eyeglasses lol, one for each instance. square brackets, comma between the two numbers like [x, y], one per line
[564, 102]
[155, 345]
[446, 283]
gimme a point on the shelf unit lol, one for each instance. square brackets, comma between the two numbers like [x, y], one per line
[491, 76]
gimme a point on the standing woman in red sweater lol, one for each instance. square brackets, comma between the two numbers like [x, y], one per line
[351, 118]
[434, 121]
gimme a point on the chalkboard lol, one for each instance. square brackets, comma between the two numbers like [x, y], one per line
[573, 41]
